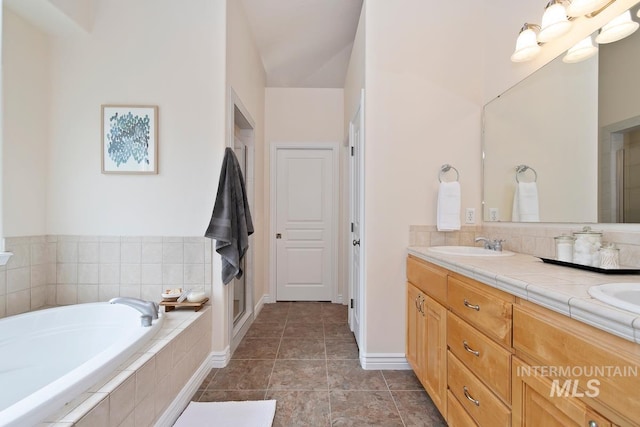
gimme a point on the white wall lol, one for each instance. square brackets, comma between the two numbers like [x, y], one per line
[354, 81]
[423, 108]
[304, 115]
[26, 98]
[163, 53]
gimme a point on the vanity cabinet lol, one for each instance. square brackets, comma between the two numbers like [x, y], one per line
[487, 358]
[426, 347]
[599, 372]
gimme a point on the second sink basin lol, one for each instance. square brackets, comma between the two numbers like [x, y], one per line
[621, 295]
[468, 251]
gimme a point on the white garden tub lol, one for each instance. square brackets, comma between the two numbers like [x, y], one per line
[49, 357]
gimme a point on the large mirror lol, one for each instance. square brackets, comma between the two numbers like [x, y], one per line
[574, 130]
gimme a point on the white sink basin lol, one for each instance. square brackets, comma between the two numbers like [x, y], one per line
[621, 295]
[468, 251]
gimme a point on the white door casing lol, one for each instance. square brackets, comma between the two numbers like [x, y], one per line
[304, 199]
[356, 265]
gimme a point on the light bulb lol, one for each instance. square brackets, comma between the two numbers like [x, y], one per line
[582, 50]
[619, 28]
[554, 23]
[526, 46]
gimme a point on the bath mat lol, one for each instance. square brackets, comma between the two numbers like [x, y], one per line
[251, 413]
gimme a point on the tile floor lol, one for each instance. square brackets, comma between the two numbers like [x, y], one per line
[304, 356]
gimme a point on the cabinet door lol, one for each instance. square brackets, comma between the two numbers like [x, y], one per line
[533, 405]
[435, 353]
[414, 328]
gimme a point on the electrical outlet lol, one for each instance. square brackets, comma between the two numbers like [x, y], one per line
[494, 215]
[470, 216]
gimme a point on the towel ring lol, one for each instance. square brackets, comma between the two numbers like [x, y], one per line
[446, 168]
[522, 169]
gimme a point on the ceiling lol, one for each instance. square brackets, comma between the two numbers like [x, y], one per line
[304, 43]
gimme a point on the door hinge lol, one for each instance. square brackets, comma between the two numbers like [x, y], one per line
[352, 227]
[351, 302]
[352, 150]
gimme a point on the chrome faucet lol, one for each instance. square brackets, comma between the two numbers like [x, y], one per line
[494, 245]
[149, 309]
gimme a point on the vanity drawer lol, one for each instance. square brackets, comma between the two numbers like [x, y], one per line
[490, 362]
[483, 406]
[486, 308]
[456, 415]
[429, 278]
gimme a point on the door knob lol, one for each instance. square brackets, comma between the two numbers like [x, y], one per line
[356, 243]
[278, 236]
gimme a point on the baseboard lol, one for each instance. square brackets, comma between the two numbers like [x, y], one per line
[389, 361]
[261, 302]
[220, 359]
[171, 414]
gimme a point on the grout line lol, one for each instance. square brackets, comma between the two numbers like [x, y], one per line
[326, 363]
[275, 359]
[393, 399]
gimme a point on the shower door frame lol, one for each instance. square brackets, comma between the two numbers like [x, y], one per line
[238, 329]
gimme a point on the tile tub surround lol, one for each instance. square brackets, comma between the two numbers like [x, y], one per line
[557, 288]
[25, 280]
[150, 382]
[304, 356]
[532, 239]
[61, 270]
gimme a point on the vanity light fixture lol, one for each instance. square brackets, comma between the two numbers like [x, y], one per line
[555, 22]
[527, 46]
[619, 28]
[582, 50]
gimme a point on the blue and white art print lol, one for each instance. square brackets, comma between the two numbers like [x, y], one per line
[129, 139]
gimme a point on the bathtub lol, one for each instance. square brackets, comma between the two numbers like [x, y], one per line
[49, 357]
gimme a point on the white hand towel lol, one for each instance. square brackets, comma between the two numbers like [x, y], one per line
[525, 203]
[448, 212]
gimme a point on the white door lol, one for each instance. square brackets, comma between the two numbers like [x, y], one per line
[356, 177]
[306, 187]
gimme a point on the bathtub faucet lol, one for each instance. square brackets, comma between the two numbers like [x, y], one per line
[149, 309]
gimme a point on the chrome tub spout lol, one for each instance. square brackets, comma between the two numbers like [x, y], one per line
[149, 309]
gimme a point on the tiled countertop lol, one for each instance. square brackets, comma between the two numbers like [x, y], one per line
[558, 288]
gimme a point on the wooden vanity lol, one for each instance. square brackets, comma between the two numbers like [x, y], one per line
[488, 358]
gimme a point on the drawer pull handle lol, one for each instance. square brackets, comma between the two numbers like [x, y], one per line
[593, 423]
[468, 396]
[422, 307]
[471, 306]
[418, 303]
[470, 350]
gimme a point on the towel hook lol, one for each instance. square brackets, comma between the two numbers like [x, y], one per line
[446, 168]
[522, 169]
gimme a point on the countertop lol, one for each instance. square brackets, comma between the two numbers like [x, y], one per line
[558, 288]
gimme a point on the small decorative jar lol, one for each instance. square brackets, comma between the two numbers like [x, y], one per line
[564, 248]
[609, 256]
[586, 246]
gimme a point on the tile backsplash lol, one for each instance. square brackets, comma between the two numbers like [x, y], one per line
[60, 270]
[532, 239]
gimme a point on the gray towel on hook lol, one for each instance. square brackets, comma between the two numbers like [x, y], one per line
[230, 223]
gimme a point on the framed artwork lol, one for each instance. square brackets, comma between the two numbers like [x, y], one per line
[130, 139]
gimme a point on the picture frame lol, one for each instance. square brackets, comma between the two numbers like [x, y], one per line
[129, 139]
